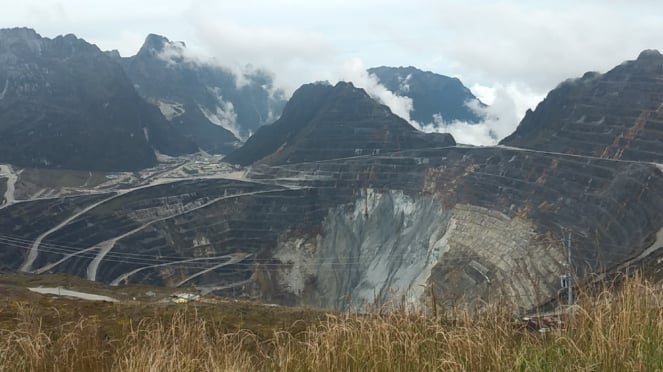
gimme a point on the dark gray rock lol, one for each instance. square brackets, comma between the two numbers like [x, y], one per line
[206, 103]
[478, 222]
[310, 225]
[432, 95]
[616, 115]
[330, 122]
[66, 104]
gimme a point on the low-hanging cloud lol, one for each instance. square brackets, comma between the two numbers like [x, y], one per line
[517, 50]
[356, 72]
[293, 55]
[543, 43]
[508, 105]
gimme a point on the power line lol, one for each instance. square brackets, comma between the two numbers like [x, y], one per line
[149, 258]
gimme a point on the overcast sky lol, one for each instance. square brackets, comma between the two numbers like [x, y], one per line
[511, 53]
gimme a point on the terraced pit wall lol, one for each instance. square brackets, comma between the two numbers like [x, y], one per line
[466, 224]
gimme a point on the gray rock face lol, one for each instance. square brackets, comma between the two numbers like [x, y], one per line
[465, 224]
[405, 247]
[65, 104]
[323, 122]
[382, 246]
[206, 103]
[436, 99]
[616, 115]
[498, 218]
[458, 224]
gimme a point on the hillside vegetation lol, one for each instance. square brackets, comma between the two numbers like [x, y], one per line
[613, 330]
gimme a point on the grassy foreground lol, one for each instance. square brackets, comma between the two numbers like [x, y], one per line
[611, 331]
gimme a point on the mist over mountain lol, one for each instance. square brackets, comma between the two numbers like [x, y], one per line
[436, 99]
[342, 205]
[211, 105]
[328, 122]
[66, 104]
[616, 115]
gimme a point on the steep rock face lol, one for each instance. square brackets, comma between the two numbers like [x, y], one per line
[497, 216]
[436, 99]
[466, 224]
[452, 223]
[206, 103]
[329, 122]
[384, 244]
[401, 248]
[65, 104]
[616, 115]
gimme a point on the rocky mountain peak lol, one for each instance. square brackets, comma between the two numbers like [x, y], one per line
[346, 99]
[66, 104]
[24, 33]
[435, 98]
[327, 122]
[19, 42]
[616, 115]
[155, 44]
[200, 97]
[649, 54]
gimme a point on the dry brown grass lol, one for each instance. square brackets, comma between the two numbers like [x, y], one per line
[610, 331]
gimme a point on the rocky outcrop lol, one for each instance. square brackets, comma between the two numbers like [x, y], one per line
[329, 122]
[66, 104]
[436, 99]
[460, 225]
[403, 249]
[456, 224]
[206, 103]
[616, 115]
[497, 215]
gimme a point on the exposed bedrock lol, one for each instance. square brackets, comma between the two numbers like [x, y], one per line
[386, 248]
[457, 224]
[490, 221]
[616, 115]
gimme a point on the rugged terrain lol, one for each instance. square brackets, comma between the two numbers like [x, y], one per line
[436, 99]
[323, 122]
[348, 233]
[66, 104]
[214, 107]
[616, 115]
[337, 224]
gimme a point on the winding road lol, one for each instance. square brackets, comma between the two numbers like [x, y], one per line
[7, 171]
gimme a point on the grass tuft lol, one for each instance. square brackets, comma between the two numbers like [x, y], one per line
[613, 330]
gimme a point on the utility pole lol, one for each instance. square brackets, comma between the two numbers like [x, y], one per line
[569, 277]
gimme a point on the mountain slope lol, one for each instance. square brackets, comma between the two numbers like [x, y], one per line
[616, 115]
[435, 98]
[450, 224]
[65, 104]
[324, 122]
[206, 103]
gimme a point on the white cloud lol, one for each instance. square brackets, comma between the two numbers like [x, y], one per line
[508, 105]
[175, 52]
[224, 115]
[354, 71]
[295, 56]
[509, 46]
[543, 43]
[404, 84]
[485, 94]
